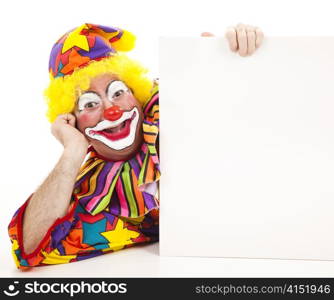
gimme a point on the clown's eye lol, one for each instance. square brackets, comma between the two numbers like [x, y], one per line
[91, 104]
[118, 93]
[116, 88]
[88, 101]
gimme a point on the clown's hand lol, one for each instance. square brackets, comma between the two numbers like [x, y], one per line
[244, 39]
[63, 128]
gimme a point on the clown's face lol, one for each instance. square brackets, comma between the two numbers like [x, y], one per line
[110, 117]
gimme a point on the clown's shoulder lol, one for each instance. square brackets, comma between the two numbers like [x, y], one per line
[151, 121]
[151, 107]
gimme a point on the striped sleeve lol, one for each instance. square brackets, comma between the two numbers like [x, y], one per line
[151, 108]
[150, 171]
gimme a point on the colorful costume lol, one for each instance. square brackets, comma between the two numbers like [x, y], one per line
[114, 204]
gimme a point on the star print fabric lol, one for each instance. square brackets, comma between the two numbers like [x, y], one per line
[84, 44]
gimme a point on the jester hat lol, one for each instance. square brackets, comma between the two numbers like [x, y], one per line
[84, 53]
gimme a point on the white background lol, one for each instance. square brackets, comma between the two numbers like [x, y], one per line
[28, 151]
[247, 153]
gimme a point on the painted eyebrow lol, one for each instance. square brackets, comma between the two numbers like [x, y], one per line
[111, 83]
[86, 92]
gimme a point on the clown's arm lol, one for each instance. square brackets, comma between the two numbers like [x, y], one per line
[242, 39]
[51, 200]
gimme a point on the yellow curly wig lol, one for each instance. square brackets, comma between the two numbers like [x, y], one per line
[62, 92]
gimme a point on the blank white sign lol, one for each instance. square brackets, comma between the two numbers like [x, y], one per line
[247, 149]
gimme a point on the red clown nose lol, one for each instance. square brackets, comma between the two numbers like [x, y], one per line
[113, 113]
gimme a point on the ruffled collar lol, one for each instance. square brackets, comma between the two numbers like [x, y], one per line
[124, 188]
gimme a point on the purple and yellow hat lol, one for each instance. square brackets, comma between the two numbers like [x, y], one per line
[87, 43]
[88, 51]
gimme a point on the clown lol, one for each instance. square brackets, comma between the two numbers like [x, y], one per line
[101, 100]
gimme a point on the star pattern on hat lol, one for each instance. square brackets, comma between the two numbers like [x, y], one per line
[74, 61]
[75, 38]
[91, 42]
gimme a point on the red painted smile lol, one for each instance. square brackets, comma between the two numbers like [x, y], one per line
[118, 132]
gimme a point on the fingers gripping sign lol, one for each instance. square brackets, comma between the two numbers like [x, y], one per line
[243, 39]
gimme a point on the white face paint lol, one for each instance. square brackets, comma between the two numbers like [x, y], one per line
[88, 100]
[119, 143]
[115, 89]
